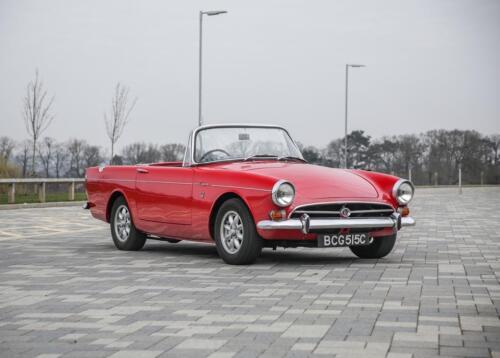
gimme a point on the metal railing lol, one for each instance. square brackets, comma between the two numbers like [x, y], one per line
[41, 189]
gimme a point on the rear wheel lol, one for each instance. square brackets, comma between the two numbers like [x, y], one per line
[235, 234]
[380, 247]
[125, 235]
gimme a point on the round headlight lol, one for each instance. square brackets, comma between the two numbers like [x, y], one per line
[403, 191]
[283, 193]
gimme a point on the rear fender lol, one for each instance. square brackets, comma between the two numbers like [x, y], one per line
[109, 206]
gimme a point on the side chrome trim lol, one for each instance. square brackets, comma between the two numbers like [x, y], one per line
[163, 182]
[110, 179]
[181, 183]
[139, 181]
[234, 187]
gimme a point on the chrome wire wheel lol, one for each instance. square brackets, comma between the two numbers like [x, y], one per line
[231, 232]
[122, 223]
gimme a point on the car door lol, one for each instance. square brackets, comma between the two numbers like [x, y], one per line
[164, 194]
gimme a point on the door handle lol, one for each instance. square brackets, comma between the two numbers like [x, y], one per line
[142, 170]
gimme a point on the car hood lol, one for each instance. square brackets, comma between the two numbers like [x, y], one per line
[312, 182]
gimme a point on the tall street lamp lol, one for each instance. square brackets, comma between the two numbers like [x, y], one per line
[346, 101]
[208, 13]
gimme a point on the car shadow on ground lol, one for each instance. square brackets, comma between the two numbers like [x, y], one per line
[280, 256]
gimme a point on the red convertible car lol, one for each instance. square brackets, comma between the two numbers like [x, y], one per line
[246, 187]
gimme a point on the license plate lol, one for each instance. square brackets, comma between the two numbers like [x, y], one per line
[341, 240]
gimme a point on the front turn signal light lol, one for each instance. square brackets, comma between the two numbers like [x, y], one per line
[404, 211]
[277, 215]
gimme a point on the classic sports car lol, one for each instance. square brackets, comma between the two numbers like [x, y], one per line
[246, 187]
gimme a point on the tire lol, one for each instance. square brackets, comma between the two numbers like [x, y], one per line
[380, 247]
[235, 234]
[125, 235]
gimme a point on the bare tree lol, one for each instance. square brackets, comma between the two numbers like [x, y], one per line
[7, 145]
[172, 152]
[311, 154]
[495, 147]
[119, 116]
[60, 159]
[23, 157]
[76, 148]
[92, 156]
[333, 154]
[36, 113]
[46, 152]
[136, 153]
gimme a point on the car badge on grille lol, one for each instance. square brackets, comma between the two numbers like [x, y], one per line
[345, 212]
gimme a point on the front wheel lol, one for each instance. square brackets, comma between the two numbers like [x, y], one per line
[380, 247]
[236, 237]
[125, 235]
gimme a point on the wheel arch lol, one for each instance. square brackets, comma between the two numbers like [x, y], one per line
[218, 203]
[112, 198]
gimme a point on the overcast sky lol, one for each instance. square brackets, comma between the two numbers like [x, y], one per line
[430, 64]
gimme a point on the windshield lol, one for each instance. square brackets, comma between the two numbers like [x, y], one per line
[230, 143]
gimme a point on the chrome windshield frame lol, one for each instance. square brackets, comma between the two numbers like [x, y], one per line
[192, 140]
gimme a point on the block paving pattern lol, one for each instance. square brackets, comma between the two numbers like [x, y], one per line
[65, 291]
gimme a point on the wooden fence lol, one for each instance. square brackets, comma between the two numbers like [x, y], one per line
[41, 189]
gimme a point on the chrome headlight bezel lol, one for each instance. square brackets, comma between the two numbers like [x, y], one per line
[277, 198]
[396, 191]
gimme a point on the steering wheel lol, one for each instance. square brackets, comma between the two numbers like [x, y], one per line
[213, 151]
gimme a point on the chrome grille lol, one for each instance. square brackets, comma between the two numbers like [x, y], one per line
[332, 210]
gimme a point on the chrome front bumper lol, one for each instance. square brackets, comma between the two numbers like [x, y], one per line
[305, 223]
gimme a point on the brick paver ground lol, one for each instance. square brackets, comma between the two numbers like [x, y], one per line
[65, 291]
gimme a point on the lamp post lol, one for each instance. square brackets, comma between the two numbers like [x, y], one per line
[346, 101]
[208, 13]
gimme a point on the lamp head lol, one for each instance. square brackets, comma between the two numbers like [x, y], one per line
[215, 12]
